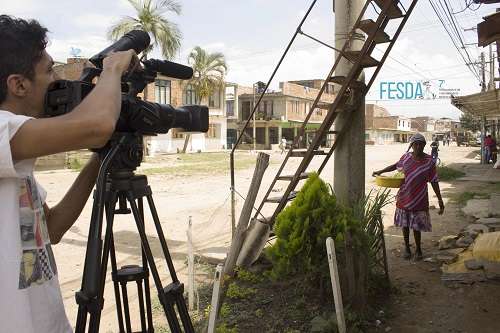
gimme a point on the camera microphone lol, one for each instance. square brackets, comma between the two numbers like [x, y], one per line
[136, 40]
[168, 68]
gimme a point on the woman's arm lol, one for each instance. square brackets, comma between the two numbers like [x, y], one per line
[435, 187]
[387, 169]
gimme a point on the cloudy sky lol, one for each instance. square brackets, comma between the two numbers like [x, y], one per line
[253, 34]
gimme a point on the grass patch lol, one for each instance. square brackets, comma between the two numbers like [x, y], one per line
[201, 164]
[462, 198]
[75, 164]
[446, 173]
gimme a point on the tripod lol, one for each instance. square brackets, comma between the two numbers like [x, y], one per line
[117, 183]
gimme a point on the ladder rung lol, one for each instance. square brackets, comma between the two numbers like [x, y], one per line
[291, 196]
[393, 12]
[369, 26]
[302, 152]
[303, 175]
[367, 60]
[324, 106]
[342, 80]
[332, 132]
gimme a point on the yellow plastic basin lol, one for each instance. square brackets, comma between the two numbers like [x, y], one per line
[393, 182]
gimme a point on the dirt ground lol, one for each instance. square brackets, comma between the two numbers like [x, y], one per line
[422, 304]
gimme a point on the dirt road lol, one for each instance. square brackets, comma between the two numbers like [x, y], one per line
[204, 196]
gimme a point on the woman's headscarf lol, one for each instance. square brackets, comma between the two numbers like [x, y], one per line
[417, 137]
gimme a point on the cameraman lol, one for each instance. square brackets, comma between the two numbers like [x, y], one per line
[30, 297]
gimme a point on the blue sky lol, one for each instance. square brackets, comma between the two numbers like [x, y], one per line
[253, 34]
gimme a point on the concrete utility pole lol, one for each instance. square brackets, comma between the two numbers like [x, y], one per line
[349, 159]
[491, 83]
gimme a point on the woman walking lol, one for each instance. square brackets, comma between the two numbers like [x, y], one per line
[412, 204]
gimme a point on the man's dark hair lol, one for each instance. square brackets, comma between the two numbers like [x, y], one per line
[21, 46]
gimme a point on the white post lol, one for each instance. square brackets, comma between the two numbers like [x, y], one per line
[337, 293]
[214, 305]
[190, 266]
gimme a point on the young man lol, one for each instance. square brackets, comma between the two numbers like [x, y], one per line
[30, 298]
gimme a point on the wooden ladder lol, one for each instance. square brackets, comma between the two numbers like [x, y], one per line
[346, 100]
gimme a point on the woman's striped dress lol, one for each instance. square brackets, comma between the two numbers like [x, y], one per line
[412, 205]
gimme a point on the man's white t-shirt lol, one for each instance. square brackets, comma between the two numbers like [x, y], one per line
[30, 297]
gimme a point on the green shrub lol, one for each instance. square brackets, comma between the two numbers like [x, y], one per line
[235, 291]
[446, 173]
[303, 227]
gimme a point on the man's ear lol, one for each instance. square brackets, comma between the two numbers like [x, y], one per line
[18, 85]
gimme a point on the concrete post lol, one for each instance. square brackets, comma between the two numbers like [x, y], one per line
[349, 158]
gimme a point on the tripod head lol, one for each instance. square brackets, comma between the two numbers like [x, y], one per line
[127, 150]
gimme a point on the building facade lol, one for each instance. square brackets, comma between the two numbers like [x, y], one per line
[281, 114]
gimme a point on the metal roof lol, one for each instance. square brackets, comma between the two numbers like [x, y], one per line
[485, 103]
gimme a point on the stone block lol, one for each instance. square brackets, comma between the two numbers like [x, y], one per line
[477, 227]
[464, 241]
[448, 242]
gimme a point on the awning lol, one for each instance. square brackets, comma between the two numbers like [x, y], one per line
[481, 104]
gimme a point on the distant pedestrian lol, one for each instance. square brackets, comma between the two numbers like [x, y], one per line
[489, 142]
[412, 204]
[283, 145]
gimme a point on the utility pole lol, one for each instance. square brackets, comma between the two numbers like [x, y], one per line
[254, 129]
[491, 83]
[483, 73]
[483, 118]
[349, 161]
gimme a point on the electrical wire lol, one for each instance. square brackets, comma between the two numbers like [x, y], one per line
[467, 63]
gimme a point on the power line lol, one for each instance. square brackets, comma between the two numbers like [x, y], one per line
[453, 41]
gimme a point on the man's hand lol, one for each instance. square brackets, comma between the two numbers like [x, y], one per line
[120, 61]
[441, 207]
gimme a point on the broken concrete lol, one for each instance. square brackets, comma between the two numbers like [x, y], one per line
[477, 227]
[478, 208]
[448, 242]
[473, 264]
[464, 241]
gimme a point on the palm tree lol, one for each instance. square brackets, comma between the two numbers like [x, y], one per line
[208, 72]
[208, 75]
[150, 18]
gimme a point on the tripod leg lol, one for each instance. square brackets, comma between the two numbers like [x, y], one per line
[95, 318]
[87, 295]
[169, 310]
[116, 285]
[181, 304]
[146, 270]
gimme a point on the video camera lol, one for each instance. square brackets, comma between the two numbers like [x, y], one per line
[137, 116]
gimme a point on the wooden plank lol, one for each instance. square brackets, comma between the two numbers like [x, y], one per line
[214, 305]
[246, 212]
[337, 292]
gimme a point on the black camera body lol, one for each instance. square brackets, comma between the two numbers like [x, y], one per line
[137, 116]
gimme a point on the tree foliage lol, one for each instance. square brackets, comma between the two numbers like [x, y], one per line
[150, 17]
[469, 123]
[209, 70]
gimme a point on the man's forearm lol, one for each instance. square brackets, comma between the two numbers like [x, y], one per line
[62, 216]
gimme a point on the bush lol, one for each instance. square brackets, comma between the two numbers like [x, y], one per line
[446, 173]
[303, 227]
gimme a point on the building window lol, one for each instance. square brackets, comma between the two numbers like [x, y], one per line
[213, 131]
[295, 107]
[214, 100]
[189, 95]
[162, 91]
[318, 112]
[230, 108]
